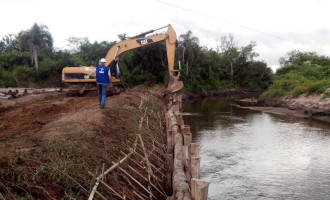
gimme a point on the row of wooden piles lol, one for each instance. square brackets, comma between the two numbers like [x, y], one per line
[182, 157]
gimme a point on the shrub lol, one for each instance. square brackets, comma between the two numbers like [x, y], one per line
[298, 91]
[7, 78]
[48, 68]
[319, 86]
[25, 75]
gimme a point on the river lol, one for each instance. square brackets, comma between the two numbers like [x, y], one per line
[248, 154]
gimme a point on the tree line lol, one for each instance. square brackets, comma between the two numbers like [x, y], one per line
[29, 59]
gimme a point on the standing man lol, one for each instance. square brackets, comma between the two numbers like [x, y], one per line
[102, 81]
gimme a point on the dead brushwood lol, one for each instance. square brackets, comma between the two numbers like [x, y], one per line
[132, 151]
[144, 178]
[108, 187]
[137, 182]
[141, 167]
[138, 195]
[7, 190]
[153, 166]
[44, 191]
[114, 166]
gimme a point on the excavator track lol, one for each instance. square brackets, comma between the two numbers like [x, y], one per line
[90, 89]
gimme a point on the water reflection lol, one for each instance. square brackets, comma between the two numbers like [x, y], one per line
[252, 155]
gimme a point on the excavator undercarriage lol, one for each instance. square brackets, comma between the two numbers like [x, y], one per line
[81, 81]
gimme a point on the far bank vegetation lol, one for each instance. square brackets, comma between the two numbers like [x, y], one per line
[301, 73]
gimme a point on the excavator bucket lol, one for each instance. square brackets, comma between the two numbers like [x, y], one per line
[174, 85]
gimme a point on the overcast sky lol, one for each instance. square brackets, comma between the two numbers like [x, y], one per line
[277, 26]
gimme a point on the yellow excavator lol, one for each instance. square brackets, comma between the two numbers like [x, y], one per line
[81, 76]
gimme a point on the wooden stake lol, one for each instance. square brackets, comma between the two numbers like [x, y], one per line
[169, 171]
[181, 188]
[194, 149]
[195, 166]
[186, 158]
[187, 138]
[185, 129]
[180, 120]
[145, 155]
[170, 142]
[103, 171]
[199, 189]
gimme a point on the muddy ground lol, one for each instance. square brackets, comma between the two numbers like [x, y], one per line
[51, 145]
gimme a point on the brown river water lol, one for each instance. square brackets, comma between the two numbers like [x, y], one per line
[248, 154]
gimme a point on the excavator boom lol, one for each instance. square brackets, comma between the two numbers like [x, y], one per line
[84, 74]
[130, 44]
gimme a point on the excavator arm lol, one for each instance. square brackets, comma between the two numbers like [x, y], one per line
[134, 43]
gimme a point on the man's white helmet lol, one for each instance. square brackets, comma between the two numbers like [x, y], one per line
[103, 60]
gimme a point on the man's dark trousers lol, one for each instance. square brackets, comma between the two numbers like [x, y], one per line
[102, 92]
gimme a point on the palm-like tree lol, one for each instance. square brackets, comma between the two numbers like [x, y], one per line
[190, 48]
[33, 39]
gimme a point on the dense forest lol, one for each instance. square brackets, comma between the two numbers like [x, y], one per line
[301, 72]
[29, 59]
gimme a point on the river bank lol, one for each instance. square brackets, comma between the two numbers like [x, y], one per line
[306, 106]
[53, 146]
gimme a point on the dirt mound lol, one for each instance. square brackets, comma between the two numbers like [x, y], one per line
[52, 145]
[28, 116]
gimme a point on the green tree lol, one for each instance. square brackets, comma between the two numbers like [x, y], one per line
[33, 39]
[190, 49]
[298, 57]
[229, 51]
[8, 43]
[88, 52]
[248, 53]
[75, 43]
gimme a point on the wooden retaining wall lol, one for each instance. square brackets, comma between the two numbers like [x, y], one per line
[182, 156]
